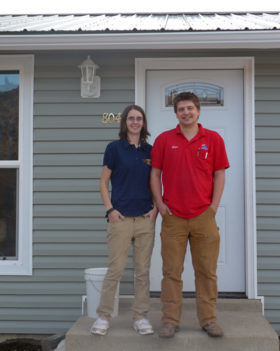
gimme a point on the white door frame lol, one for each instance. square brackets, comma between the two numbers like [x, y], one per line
[247, 65]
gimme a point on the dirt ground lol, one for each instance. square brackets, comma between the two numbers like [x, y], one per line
[21, 345]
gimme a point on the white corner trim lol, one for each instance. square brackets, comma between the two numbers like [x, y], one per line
[151, 40]
[247, 65]
[261, 298]
[25, 64]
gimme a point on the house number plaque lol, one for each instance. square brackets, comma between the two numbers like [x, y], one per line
[111, 118]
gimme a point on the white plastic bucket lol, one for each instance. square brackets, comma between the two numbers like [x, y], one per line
[94, 280]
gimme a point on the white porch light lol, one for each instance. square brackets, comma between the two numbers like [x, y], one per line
[90, 83]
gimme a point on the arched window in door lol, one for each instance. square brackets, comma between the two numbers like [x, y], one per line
[209, 94]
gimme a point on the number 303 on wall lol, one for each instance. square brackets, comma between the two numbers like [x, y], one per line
[111, 118]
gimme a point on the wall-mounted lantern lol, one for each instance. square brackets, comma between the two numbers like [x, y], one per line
[90, 83]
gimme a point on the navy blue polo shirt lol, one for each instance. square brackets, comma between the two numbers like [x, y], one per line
[130, 177]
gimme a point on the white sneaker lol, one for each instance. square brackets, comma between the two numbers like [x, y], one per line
[100, 327]
[143, 327]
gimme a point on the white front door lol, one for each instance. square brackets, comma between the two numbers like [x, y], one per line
[227, 120]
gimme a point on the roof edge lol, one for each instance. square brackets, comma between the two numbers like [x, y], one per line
[139, 13]
[123, 41]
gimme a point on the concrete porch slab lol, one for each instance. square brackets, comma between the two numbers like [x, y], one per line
[245, 329]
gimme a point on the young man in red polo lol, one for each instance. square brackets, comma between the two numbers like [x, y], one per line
[189, 162]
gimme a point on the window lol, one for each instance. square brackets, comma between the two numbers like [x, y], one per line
[16, 106]
[209, 94]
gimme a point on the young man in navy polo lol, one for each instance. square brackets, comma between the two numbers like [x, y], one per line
[189, 162]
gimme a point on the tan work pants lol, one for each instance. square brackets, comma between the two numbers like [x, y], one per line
[140, 231]
[203, 236]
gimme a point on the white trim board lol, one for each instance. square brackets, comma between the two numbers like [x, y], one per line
[247, 65]
[129, 41]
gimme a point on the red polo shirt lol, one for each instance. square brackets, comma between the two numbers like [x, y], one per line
[188, 168]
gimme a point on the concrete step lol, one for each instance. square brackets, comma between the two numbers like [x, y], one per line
[245, 329]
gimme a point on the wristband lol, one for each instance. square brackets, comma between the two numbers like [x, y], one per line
[109, 211]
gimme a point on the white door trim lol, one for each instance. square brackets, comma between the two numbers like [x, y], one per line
[247, 65]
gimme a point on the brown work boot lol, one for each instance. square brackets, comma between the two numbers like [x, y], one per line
[213, 329]
[167, 330]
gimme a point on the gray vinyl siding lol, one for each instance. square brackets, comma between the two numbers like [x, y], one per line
[69, 230]
[268, 182]
[69, 141]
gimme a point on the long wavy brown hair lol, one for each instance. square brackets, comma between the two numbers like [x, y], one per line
[123, 128]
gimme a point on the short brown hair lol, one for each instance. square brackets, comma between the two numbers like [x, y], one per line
[123, 128]
[186, 96]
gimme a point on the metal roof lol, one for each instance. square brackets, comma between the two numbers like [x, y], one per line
[138, 23]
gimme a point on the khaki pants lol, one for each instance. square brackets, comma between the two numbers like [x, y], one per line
[203, 236]
[140, 231]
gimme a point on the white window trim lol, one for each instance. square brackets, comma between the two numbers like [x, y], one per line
[25, 65]
[247, 65]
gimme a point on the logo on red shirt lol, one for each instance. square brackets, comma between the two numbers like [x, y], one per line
[202, 152]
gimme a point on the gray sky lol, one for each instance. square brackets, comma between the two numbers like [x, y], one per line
[124, 6]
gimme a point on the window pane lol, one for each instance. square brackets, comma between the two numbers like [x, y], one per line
[9, 98]
[8, 213]
[209, 94]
